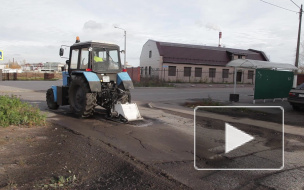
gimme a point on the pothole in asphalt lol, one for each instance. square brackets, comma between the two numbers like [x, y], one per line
[146, 122]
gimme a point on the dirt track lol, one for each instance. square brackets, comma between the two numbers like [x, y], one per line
[36, 158]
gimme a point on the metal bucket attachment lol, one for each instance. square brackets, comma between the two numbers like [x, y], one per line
[128, 111]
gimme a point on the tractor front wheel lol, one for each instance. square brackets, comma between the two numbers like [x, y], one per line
[50, 100]
[82, 100]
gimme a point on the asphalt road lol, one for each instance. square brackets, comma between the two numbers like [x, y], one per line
[165, 139]
[166, 96]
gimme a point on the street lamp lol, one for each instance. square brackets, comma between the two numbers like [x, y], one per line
[125, 49]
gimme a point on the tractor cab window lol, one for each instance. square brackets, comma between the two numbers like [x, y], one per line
[99, 60]
[74, 59]
[105, 60]
[114, 61]
[84, 58]
[100, 55]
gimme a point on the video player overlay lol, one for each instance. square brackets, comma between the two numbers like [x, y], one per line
[238, 138]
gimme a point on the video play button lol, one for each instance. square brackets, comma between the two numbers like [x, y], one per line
[238, 138]
[235, 138]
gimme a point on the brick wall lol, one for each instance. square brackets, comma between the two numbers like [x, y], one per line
[134, 73]
[300, 79]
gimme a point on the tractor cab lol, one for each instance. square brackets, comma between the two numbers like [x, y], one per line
[94, 56]
[100, 58]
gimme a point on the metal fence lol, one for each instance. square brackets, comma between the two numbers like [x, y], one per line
[199, 76]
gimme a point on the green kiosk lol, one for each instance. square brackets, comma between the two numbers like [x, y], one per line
[272, 80]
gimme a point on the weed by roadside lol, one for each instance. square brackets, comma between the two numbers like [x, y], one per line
[204, 102]
[15, 112]
[152, 82]
[58, 182]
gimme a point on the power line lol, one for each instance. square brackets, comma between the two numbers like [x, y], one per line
[295, 4]
[278, 6]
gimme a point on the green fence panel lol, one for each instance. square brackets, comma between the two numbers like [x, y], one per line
[270, 84]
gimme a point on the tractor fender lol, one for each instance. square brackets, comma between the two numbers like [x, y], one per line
[55, 92]
[124, 80]
[93, 80]
[65, 78]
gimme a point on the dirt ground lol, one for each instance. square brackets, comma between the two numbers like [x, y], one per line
[54, 157]
[290, 118]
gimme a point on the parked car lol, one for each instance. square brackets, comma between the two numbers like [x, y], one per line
[296, 97]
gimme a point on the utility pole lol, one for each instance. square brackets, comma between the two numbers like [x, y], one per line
[125, 57]
[295, 78]
[125, 50]
[299, 36]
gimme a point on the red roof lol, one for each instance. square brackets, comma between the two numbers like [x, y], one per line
[206, 55]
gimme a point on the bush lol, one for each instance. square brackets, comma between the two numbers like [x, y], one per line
[15, 112]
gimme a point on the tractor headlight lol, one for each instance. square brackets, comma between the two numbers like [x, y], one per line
[105, 79]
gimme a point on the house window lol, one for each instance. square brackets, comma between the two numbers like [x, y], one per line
[212, 72]
[150, 70]
[239, 76]
[187, 71]
[146, 70]
[198, 72]
[250, 74]
[172, 71]
[225, 73]
[150, 54]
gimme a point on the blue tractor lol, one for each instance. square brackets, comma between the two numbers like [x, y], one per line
[93, 76]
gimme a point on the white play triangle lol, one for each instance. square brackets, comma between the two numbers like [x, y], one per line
[235, 138]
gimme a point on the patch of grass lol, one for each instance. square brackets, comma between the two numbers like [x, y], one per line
[204, 102]
[21, 162]
[152, 82]
[241, 112]
[11, 185]
[15, 112]
[59, 182]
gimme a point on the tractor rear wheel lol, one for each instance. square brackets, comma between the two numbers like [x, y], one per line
[82, 100]
[50, 99]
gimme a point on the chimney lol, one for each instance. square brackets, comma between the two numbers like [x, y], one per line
[220, 37]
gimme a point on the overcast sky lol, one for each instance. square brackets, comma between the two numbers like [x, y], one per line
[34, 30]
